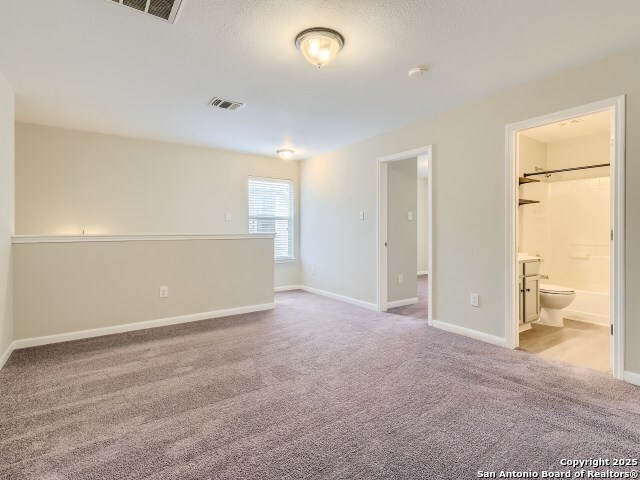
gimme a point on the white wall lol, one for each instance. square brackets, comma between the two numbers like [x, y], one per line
[69, 287]
[579, 228]
[67, 181]
[423, 224]
[570, 226]
[402, 233]
[468, 197]
[6, 214]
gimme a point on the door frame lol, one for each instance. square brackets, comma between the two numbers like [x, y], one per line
[382, 165]
[617, 285]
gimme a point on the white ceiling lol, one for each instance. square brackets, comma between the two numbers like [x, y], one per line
[94, 65]
[574, 128]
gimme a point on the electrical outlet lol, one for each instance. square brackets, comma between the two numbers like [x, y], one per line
[313, 270]
[409, 216]
[164, 291]
[401, 279]
[227, 216]
[474, 300]
[361, 215]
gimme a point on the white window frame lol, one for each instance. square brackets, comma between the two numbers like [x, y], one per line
[292, 218]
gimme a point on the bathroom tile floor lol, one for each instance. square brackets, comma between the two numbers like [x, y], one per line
[578, 343]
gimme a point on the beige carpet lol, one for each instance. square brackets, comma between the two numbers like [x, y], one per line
[315, 389]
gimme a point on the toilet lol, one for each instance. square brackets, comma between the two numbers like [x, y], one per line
[553, 298]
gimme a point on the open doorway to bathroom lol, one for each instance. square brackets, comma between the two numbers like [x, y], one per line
[404, 233]
[567, 236]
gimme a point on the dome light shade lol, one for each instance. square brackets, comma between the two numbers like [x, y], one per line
[319, 45]
[285, 154]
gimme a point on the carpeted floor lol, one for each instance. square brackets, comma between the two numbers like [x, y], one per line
[420, 309]
[314, 389]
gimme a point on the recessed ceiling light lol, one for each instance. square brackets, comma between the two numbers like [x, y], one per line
[416, 72]
[285, 154]
[319, 45]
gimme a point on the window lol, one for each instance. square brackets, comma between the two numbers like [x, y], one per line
[271, 211]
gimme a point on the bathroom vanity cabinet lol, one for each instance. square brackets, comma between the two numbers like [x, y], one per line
[529, 288]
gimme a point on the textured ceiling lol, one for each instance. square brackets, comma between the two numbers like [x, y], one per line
[93, 65]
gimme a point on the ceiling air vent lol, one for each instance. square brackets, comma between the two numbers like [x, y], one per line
[164, 9]
[226, 104]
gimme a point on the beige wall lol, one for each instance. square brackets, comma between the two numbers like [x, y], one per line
[533, 225]
[67, 181]
[468, 197]
[402, 234]
[6, 213]
[577, 152]
[423, 224]
[570, 226]
[69, 287]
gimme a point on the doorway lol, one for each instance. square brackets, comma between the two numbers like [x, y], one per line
[594, 259]
[405, 233]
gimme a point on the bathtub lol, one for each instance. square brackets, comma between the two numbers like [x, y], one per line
[590, 307]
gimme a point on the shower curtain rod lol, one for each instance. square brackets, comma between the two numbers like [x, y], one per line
[566, 170]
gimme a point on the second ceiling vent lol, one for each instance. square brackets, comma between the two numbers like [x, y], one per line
[164, 9]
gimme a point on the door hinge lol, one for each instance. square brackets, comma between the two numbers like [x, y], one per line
[612, 329]
[612, 235]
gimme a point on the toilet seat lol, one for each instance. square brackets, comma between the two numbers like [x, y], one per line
[556, 289]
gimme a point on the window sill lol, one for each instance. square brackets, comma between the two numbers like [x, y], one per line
[286, 260]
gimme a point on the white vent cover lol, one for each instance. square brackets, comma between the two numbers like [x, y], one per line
[226, 104]
[164, 9]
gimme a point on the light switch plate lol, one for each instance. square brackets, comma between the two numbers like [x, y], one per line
[361, 215]
[474, 300]
[227, 216]
[409, 216]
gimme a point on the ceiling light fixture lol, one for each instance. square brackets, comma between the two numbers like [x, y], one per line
[319, 45]
[285, 154]
[418, 71]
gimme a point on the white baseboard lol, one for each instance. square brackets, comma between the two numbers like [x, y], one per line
[630, 377]
[586, 317]
[129, 327]
[423, 272]
[335, 296]
[342, 298]
[485, 337]
[402, 303]
[288, 288]
[6, 354]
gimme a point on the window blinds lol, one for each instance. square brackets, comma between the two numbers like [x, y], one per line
[271, 211]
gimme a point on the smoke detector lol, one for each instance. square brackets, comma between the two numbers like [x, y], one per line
[163, 9]
[225, 104]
